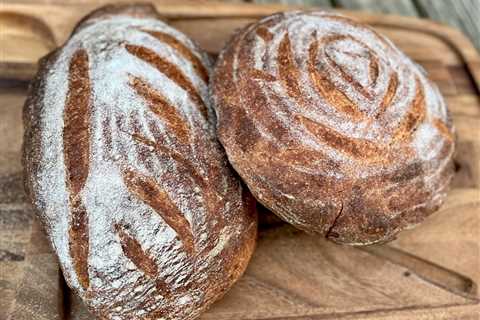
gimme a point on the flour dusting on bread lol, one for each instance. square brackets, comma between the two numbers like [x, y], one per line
[125, 171]
[329, 123]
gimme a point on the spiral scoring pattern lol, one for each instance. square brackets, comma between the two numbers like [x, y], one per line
[332, 127]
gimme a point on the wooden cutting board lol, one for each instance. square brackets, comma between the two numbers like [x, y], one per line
[430, 272]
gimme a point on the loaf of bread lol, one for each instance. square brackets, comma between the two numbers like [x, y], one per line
[332, 127]
[124, 169]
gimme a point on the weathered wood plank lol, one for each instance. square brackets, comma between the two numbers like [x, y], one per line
[316, 3]
[39, 295]
[39, 286]
[11, 274]
[463, 14]
[10, 144]
[401, 7]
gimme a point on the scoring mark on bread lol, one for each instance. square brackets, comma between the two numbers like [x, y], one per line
[76, 131]
[176, 156]
[187, 168]
[373, 70]
[288, 71]
[162, 108]
[140, 258]
[261, 75]
[265, 34]
[443, 129]
[183, 50]
[389, 95]
[79, 240]
[133, 250]
[76, 147]
[346, 76]
[152, 194]
[171, 71]
[414, 116]
[357, 148]
[327, 89]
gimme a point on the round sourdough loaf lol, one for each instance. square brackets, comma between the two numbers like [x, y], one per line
[332, 127]
[124, 169]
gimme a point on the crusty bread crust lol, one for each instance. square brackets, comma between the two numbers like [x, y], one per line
[332, 127]
[123, 167]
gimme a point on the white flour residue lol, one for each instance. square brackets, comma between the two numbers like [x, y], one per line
[117, 110]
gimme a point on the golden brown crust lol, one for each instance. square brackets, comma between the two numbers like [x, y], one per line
[332, 127]
[125, 172]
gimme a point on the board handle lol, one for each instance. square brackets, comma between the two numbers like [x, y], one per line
[428, 271]
[21, 31]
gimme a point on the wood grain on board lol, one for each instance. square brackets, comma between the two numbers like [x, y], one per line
[430, 272]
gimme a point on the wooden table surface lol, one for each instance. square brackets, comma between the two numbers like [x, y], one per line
[16, 217]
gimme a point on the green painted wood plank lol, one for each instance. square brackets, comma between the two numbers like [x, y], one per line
[400, 7]
[463, 14]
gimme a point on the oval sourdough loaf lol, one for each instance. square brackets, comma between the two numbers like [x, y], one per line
[332, 127]
[123, 167]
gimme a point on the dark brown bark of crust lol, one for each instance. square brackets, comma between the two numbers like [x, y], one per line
[76, 132]
[147, 190]
[163, 109]
[173, 42]
[373, 70]
[261, 75]
[171, 71]
[365, 218]
[76, 147]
